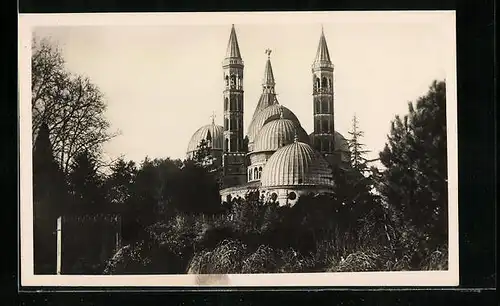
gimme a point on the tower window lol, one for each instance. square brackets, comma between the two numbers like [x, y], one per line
[227, 80]
[330, 83]
[233, 81]
[324, 126]
[226, 103]
[233, 145]
[226, 148]
[324, 107]
[226, 124]
[233, 107]
[260, 172]
[317, 107]
[317, 83]
[324, 82]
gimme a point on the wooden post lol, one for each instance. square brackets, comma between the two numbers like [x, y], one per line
[59, 245]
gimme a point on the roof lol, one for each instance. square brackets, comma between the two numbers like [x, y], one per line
[262, 117]
[233, 49]
[297, 164]
[207, 132]
[322, 58]
[278, 133]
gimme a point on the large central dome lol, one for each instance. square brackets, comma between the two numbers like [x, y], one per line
[278, 133]
[270, 112]
[297, 164]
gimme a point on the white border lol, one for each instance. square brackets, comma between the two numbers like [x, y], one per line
[433, 278]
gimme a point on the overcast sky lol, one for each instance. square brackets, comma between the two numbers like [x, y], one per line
[162, 82]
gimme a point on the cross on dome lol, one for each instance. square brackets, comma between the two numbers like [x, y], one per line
[213, 117]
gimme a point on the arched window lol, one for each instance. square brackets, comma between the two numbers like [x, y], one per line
[227, 80]
[255, 174]
[274, 196]
[233, 81]
[260, 172]
[249, 174]
[226, 148]
[226, 124]
[329, 83]
[233, 107]
[324, 107]
[317, 83]
[233, 145]
[324, 82]
[317, 107]
[226, 103]
[233, 124]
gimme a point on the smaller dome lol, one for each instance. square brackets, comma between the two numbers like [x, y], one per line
[271, 111]
[295, 165]
[211, 132]
[278, 133]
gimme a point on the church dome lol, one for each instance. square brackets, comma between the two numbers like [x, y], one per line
[211, 132]
[267, 114]
[278, 133]
[297, 164]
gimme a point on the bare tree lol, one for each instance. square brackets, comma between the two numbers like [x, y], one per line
[71, 105]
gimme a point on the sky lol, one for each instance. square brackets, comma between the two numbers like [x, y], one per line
[163, 81]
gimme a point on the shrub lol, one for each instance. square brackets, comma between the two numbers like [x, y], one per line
[226, 258]
[261, 261]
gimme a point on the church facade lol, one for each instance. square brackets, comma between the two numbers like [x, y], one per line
[277, 158]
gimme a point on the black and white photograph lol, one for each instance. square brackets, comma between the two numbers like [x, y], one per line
[238, 149]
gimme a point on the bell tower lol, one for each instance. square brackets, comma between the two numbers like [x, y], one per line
[323, 102]
[234, 156]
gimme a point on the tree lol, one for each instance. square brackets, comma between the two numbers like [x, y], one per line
[415, 179]
[71, 105]
[203, 155]
[356, 148]
[120, 182]
[49, 199]
[86, 185]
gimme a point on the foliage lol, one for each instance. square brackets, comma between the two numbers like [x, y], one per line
[175, 222]
[71, 105]
[49, 195]
[415, 179]
[356, 148]
[86, 185]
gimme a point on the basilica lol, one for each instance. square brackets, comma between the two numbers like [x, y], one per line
[277, 158]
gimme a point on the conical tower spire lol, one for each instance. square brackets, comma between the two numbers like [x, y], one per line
[322, 58]
[268, 80]
[233, 49]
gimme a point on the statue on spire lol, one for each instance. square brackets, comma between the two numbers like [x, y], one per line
[213, 117]
[268, 52]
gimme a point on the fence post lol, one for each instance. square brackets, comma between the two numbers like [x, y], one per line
[59, 245]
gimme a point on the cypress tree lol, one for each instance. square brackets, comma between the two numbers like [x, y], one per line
[49, 199]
